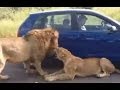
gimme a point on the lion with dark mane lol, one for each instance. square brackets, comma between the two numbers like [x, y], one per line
[35, 45]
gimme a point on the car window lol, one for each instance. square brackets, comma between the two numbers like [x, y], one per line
[27, 25]
[91, 23]
[40, 22]
[92, 20]
[60, 22]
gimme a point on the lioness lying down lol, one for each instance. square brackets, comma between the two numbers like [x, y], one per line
[36, 44]
[75, 66]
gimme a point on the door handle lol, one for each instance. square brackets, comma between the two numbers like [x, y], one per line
[111, 41]
[89, 38]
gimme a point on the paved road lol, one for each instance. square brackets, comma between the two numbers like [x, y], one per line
[18, 75]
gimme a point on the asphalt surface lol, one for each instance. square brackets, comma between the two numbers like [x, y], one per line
[17, 75]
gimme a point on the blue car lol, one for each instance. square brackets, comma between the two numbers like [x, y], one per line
[98, 37]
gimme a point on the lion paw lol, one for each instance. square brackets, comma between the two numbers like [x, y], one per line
[103, 75]
[4, 77]
[49, 78]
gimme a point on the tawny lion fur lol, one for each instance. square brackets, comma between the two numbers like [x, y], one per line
[35, 45]
[75, 66]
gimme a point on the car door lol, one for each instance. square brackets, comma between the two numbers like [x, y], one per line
[68, 36]
[97, 40]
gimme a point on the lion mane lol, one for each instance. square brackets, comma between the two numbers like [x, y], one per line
[33, 46]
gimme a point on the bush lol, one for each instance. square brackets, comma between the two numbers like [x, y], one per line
[113, 12]
[11, 19]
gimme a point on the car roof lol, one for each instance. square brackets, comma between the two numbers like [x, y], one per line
[64, 10]
[75, 10]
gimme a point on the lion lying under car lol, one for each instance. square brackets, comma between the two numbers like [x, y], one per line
[35, 45]
[75, 66]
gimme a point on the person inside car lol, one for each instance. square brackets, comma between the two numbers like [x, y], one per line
[41, 23]
[81, 22]
[66, 24]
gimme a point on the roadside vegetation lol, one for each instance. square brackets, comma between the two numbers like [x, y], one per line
[12, 17]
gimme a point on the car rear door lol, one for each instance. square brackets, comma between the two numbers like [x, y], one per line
[69, 36]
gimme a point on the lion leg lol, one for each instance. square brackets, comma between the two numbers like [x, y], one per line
[2, 65]
[24, 65]
[39, 68]
[27, 66]
[63, 76]
[4, 77]
[58, 72]
[107, 66]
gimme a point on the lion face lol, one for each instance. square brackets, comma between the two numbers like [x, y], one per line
[62, 53]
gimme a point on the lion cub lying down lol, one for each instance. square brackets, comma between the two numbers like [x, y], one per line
[75, 66]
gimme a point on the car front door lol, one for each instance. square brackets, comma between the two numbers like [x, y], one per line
[97, 40]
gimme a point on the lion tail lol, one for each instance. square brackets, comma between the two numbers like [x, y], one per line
[117, 70]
